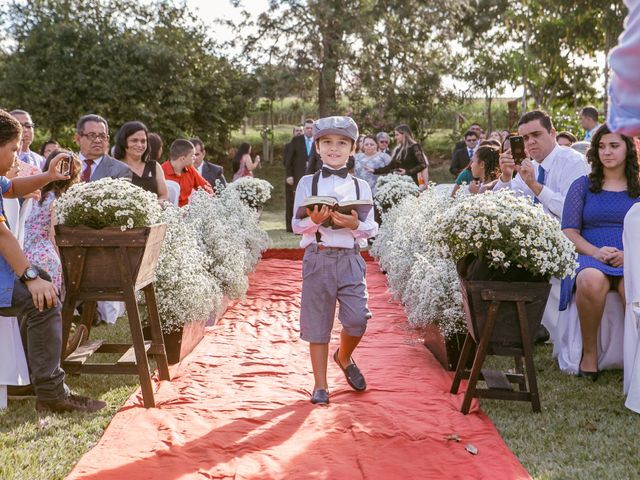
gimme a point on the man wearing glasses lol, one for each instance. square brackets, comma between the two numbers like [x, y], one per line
[28, 127]
[92, 136]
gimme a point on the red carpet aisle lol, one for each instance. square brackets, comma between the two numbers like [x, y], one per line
[238, 406]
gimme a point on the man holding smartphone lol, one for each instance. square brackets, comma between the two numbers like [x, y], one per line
[546, 176]
[549, 170]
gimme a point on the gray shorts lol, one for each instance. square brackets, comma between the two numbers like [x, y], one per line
[330, 274]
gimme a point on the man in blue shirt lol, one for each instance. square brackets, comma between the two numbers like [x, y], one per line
[27, 293]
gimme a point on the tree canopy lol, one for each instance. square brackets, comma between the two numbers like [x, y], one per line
[124, 60]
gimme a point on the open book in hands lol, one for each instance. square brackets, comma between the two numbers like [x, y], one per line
[362, 207]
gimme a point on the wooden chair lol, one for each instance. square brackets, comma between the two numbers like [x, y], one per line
[499, 384]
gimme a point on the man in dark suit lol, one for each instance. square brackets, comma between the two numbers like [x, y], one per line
[211, 172]
[296, 155]
[474, 127]
[462, 156]
[92, 136]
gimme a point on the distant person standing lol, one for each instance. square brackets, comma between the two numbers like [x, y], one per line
[289, 189]
[243, 165]
[589, 121]
[296, 156]
[28, 128]
[462, 156]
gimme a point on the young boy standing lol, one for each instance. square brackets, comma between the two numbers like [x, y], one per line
[180, 169]
[332, 268]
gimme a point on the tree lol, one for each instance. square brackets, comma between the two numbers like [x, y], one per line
[369, 49]
[125, 61]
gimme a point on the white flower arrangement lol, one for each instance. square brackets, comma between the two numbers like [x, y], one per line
[185, 289]
[508, 231]
[255, 192]
[231, 237]
[417, 273]
[107, 203]
[393, 188]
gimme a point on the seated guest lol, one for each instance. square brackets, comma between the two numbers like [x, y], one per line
[589, 121]
[155, 147]
[180, 169]
[592, 219]
[565, 139]
[462, 156]
[132, 148]
[28, 128]
[92, 136]
[408, 157]
[466, 176]
[211, 172]
[27, 293]
[242, 164]
[48, 147]
[383, 139]
[368, 160]
[39, 246]
[485, 168]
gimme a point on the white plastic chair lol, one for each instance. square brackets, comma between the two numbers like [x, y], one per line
[568, 349]
[631, 241]
[174, 191]
[13, 364]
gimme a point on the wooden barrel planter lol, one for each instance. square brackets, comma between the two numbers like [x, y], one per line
[506, 333]
[181, 343]
[111, 264]
[446, 350]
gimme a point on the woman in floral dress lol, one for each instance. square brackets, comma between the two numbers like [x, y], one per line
[39, 245]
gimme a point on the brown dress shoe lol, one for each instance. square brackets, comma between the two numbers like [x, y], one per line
[78, 338]
[71, 403]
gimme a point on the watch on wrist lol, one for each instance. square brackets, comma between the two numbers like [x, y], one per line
[29, 274]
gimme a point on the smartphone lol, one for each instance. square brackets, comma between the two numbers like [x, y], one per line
[517, 149]
[64, 166]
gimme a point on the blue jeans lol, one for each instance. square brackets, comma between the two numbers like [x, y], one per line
[42, 339]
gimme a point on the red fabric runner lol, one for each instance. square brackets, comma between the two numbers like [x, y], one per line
[238, 406]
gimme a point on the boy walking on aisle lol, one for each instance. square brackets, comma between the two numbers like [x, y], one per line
[333, 269]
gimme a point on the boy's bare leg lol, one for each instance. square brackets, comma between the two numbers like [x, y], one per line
[348, 344]
[319, 353]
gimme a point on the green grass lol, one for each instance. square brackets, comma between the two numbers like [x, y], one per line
[584, 431]
[34, 446]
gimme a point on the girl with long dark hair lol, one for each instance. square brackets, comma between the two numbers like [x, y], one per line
[593, 219]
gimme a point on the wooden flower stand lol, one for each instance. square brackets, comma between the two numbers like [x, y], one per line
[111, 264]
[501, 320]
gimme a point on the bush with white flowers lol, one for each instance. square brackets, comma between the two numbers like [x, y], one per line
[508, 231]
[185, 289]
[392, 189]
[255, 192]
[419, 276]
[231, 237]
[107, 203]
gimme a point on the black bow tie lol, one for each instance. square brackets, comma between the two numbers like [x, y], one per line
[342, 172]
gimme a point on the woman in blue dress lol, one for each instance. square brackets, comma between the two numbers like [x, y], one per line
[593, 218]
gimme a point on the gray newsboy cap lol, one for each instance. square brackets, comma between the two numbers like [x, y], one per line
[344, 126]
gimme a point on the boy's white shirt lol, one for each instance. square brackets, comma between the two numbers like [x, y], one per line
[342, 189]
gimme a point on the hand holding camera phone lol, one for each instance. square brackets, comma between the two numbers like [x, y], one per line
[64, 165]
[517, 149]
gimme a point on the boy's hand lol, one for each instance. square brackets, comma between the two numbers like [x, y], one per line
[54, 173]
[318, 216]
[346, 221]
